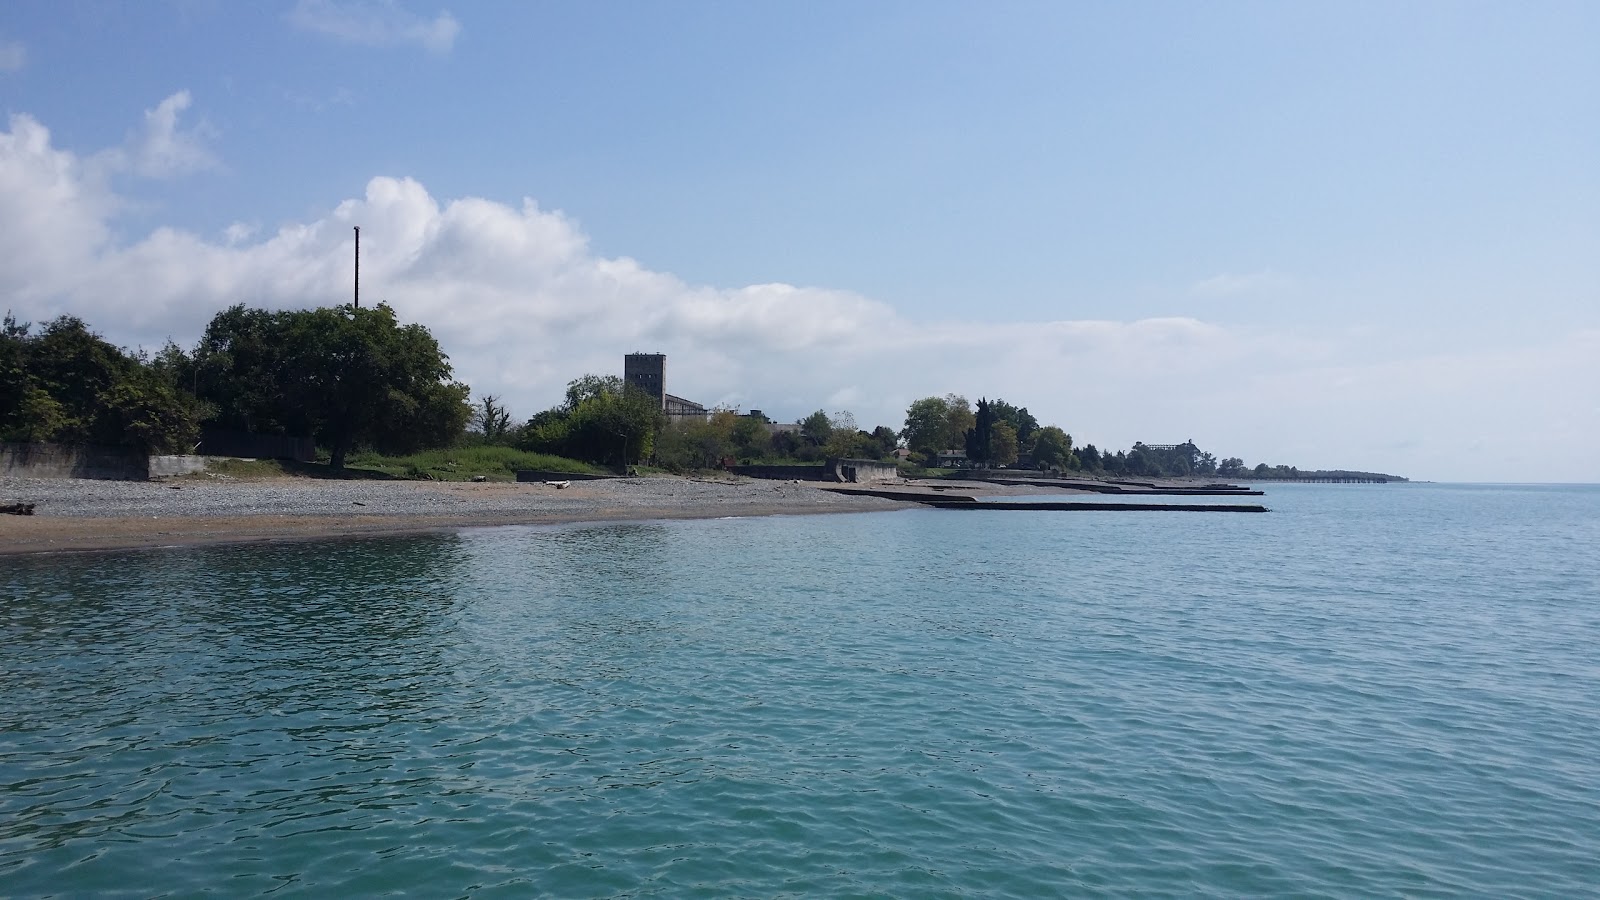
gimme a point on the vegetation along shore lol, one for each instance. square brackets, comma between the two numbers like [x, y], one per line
[375, 436]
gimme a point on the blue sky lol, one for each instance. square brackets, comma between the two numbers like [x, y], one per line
[1361, 235]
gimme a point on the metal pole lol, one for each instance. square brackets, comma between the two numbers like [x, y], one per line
[358, 267]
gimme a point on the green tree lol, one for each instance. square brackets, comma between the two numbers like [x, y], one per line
[613, 424]
[351, 376]
[365, 380]
[981, 434]
[751, 437]
[1019, 419]
[817, 428]
[242, 368]
[15, 422]
[927, 426]
[67, 384]
[959, 419]
[885, 442]
[1052, 448]
[697, 443]
[588, 387]
[1088, 457]
[934, 424]
[1002, 444]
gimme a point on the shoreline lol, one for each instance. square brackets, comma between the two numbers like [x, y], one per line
[81, 516]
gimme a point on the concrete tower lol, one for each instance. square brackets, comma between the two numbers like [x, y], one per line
[648, 373]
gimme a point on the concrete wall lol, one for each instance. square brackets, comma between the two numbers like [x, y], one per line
[862, 471]
[784, 473]
[857, 471]
[63, 461]
[167, 466]
[106, 463]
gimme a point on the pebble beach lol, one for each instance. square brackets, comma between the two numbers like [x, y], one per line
[77, 514]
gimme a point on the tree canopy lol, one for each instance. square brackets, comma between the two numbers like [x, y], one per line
[603, 420]
[68, 385]
[350, 376]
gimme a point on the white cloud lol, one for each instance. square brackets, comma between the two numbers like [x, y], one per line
[13, 56]
[521, 302]
[162, 149]
[376, 23]
[239, 232]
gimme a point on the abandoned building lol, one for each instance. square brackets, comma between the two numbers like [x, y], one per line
[648, 373]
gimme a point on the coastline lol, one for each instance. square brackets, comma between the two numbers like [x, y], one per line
[75, 515]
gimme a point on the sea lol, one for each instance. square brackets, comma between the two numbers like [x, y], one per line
[1370, 691]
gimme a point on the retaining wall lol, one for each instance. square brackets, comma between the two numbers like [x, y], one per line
[64, 461]
[863, 471]
[784, 473]
[852, 471]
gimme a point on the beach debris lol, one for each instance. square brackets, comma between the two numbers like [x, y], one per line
[357, 503]
[478, 479]
[16, 509]
[558, 485]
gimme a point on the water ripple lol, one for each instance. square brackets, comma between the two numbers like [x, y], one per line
[1364, 694]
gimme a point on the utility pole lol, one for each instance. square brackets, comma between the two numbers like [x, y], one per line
[358, 267]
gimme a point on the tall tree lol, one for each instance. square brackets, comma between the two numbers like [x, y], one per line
[885, 440]
[926, 431]
[1002, 444]
[1019, 418]
[1052, 448]
[817, 428]
[1089, 456]
[981, 434]
[351, 376]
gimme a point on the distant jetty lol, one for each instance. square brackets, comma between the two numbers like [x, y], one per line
[939, 499]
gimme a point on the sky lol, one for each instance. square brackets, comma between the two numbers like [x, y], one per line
[1354, 235]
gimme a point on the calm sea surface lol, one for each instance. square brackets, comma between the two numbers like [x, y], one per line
[1372, 691]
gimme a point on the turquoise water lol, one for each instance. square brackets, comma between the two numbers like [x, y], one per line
[1372, 691]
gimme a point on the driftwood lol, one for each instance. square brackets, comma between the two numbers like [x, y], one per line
[17, 509]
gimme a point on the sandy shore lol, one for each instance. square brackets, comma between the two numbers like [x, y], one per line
[75, 515]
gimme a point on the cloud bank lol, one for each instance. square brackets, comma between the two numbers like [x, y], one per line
[521, 302]
[376, 23]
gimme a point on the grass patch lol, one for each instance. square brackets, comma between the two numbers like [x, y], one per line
[457, 464]
[250, 469]
[495, 463]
